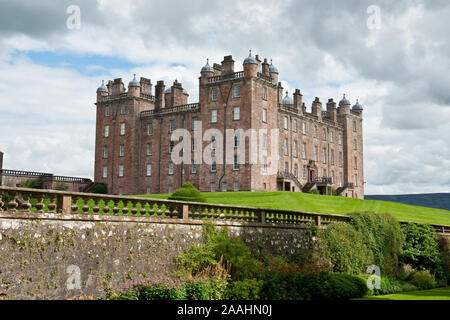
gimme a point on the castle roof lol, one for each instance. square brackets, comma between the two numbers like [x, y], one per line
[134, 82]
[287, 99]
[344, 101]
[207, 67]
[357, 106]
[272, 68]
[102, 88]
[250, 59]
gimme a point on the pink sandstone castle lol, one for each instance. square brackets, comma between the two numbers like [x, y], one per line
[138, 136]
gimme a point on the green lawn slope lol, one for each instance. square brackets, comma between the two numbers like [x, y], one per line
[324, 204]
[433, 294]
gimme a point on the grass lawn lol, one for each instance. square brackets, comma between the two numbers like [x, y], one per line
[324, 204]
[433, 294]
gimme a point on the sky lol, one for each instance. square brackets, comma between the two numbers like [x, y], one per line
[394, 56]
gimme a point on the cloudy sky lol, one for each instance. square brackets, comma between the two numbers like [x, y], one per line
[398, 69]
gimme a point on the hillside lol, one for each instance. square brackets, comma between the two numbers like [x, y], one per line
[325, 204]
[431, 200]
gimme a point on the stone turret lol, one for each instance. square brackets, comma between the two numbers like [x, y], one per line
[250, 66]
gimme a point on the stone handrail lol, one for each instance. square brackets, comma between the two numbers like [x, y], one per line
[180, 108]
[235, 75]
[35, 201]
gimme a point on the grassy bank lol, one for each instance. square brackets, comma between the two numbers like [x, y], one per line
[433, 294]
[324, 204]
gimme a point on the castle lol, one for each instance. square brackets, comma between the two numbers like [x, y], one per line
[244, 134]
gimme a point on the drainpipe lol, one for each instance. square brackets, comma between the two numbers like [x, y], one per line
[224, 134]
[159, 155]
[114, 116]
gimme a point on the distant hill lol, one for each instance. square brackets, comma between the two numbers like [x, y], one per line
[430, 200]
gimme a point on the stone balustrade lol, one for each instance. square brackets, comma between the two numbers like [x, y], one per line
[29, 202]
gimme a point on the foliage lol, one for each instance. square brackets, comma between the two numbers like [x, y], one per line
[187, 193]
[344, 286]
[248, 289]
[343, 249]
[314, 191]
[218, 245]
[387, 285]
[31, 184]
[61, 187]
[423, 279]
[443, 269]
[100, 188]
[165, 289]
[383, 236]
[420, 250]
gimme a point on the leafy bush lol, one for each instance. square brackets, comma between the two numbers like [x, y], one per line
[423, 279]
[248, 289]
[31, 184]
[420, 250]
[344, 286]
[218, 245]
[100, 188]
[442, 271]
[383, 236]
[387, 285]
[342, 248]
[187, 193]
[165, 289]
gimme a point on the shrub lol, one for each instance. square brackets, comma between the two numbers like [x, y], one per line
[187, 193]
[344, 286]
[197, 290]
[100, 188]
[383, 236]
[420, 250]
[248, 289]
[32, 184]
[342, 248]
[442, 271]
[387, 285]
[423, 279]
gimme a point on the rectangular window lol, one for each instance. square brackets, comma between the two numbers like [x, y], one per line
[105, 172]
[172, 144]
[237, 113]
[123, 109]
[332, 157]
[264, 115]
[355, 163]
[304, 127]
[331, 136]
[106, 131]
[354, 125]
[149, 129]
[172, 125]
[340, 179]
[213, 187]
[105, 152]
[295, 149]
[149, 149]
[120, 191]
[286, 123]
[237, 91]
[149, 170]
[294, 126]
[356, 180]
[264, 141]
[264, 93]
[121, 170]
[304, 172]
[170, 188]
[193, 144]
[121, 150]
[236, 186]
[264, 163]
[214, 116]
[194, 123]
[286, 169]
[324, 153]
[324, 134]
[355, 145]
[236, 163]
[194, 167]
[316, 153]
[214, 94]
[295, 170]
[107, 111]
[236, 140]
[324, 173]
[332, 176]
[148, 190]
[224, 187]
[340, 159]
[122, 129]
[213, 142]
[304, 151]
[213, 165]
[340, 139]
[286, 151]
[170, 167]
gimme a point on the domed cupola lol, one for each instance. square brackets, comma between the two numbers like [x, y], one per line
[272, 68]
[134, 82]
[357, 106]
[287, 99]
[344, 101]
[102, 88]
[168, 90]
[250, 59]
[207, 67]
